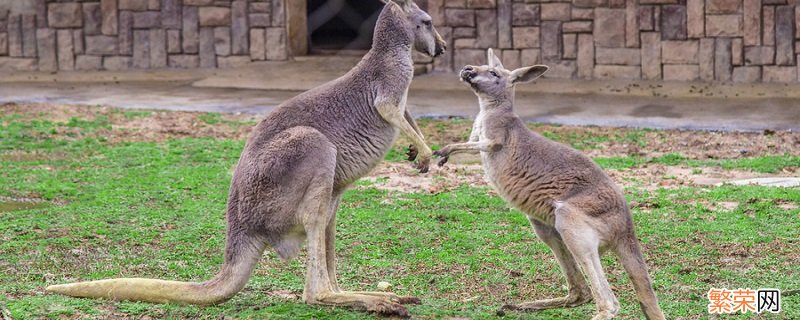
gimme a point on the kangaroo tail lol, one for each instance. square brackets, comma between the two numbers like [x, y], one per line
[241, 255]
[630, 256]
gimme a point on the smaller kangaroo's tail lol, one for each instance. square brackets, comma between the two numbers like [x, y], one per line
[630, 255]
[240, 258]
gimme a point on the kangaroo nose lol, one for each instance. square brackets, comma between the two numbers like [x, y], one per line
[440, 49]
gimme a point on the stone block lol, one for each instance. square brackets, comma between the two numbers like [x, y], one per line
[464, 43]
[198, 2]
[784, 36]
[232, 62]
[14, 36]
[481, 4]
[146, 20]
[695, 18]
[39, 9]
[681, 72]
[239, 29]
[590, 3]
[173, 41]
[3, 44]
[88, 63]
[705, 59]
[603, 72]
[154, 4]
[618, 56]
[278, 13]
[747, 74]
[222, 41]
[722, 59]
[4, 21]
[559, 11]
[582, 14]
[459, 17]
[565, 69]
[585, 59]
[28, 35]
[171, 14]
[680, 52]
[66, 52]
[768, 23]
[46, 47]
[101, 45]
[276, 44]
[526, 37]
[673, 22]
[570, 43]
[141, 49]
[651, 55]
[645, 14]
[214, 16]
[577, 26]
[487, 28]
[737, 54]
[761, 55]
[551, 41]
[779, 74]
[134, 5]
[17, 64]
[109, 12]
[117, 63]
[526, 14]
[257, 44]
[723, 6]
[511, 59]
[190, 30]
[92, 19]
[504, 22]
[260, 7]
[208, 58]
[529, 57]
[260, 19]
[632, 24]
[184, 61]
[605, 21]
[77, 41]
[724, 26]
[64, 15]
[158, 48]
[751, 22]
[126, 33]
[464, 32]
[463, 57]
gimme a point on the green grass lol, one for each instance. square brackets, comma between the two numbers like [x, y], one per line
[151, 209]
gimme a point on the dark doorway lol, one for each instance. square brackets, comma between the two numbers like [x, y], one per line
[341, 25]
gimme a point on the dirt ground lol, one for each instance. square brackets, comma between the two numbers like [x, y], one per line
[132, 125]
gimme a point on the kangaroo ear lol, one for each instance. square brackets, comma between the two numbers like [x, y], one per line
[527, 74]
[494, 62]
[404, 4]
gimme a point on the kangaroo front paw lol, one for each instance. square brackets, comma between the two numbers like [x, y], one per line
[407, 300]
[443, 154]
[412, 152]
[423, 164]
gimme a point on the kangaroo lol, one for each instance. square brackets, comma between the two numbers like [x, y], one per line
[574, 207]
[294, 168]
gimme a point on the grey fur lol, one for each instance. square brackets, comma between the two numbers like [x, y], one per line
[572, 204]
[295, 167]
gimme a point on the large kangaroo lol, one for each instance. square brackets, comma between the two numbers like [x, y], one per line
[572, 204]
[296, 165]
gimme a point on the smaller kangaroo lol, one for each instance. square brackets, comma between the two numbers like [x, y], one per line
[574, 207]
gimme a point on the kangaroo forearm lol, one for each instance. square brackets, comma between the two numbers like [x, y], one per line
[413, 124]
[474, 147]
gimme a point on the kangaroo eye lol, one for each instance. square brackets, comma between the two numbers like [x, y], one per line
[427, 23]
[494, 74]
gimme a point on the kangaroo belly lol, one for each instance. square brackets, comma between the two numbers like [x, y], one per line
[362, 151]
[519, 189]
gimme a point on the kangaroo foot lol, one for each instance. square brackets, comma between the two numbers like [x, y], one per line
[563, 302]
[371, 303]
[388, 295]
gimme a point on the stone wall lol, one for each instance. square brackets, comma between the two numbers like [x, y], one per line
[49, 35]
[684, 40]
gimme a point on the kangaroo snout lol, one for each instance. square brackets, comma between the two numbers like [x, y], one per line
[440, 46]
[468, 73]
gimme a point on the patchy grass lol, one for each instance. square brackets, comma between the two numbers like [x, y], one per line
[153, 207]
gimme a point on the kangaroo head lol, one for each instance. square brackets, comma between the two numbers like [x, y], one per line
[494, 81]
[426, 39]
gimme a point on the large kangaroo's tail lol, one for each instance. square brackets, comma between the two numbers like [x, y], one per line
[241, 255]
[630, 255]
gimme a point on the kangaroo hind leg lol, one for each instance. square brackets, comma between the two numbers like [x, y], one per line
[579, 292]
